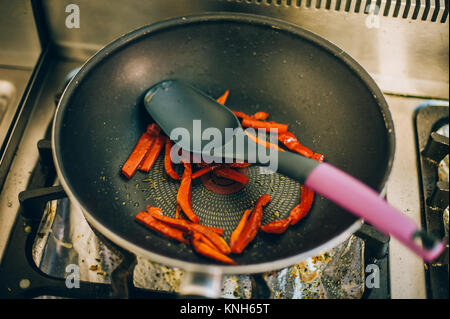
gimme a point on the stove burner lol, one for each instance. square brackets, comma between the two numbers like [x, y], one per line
[432, 149]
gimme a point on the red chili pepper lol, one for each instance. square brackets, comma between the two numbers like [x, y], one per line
[246, 122]
[302, 209]
[223, 98]
[184, 194]
[217, 247]
[202, 248]
[139, 152]
[318, 157]
[177, 212]
[204, 170]
[180, 223]
[252, 226]
[242, 115]
[204, 239]
[257, 116]
[292, 143]
[238, 230]
[260, 116]
[153, 129]
[277, 226]
[152, 223]
[218, 241]
[217, 230]
[168, 161]
[153, 154]
[229, 173]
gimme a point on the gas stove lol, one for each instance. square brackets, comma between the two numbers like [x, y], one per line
[43, 236]
[431, 124]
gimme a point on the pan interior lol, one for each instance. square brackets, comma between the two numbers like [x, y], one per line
[219, 209]
[325, 103]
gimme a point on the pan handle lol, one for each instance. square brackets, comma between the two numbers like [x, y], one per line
[206, 283]
[364, 202]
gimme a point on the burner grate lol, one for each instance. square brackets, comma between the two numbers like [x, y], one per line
[432, 148]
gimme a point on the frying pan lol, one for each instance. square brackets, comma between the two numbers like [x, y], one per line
[328, 100]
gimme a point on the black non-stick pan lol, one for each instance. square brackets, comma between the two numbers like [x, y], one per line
[328, 100]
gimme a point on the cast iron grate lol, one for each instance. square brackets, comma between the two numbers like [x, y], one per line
[432, 148]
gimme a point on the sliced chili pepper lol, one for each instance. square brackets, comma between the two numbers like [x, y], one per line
[168, 161]
[139, 152]
[318, 157]
[152, 223]
[257, 116]
[184, 195]
[242, 115]
[217, 240]
[185, 156]
[223, 98]
[177, 212]
[264, 142]
[252, 226]
[260, 116]
[277, 226]
[203, 239]
[218, 231]
[180, 223]
[229, 173]
[208, 251]
[264, 125]
[153, 153]
[153, 129]
[302, 209]
[204, 170]
[238, 230]
[292, 143]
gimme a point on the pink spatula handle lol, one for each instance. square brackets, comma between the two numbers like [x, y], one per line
[364, 202]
